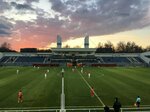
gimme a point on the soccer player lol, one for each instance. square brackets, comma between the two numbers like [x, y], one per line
[82, 70]
[47, 70]
[73, 69]
[92, 92]
[17, 71]
[89, 75]
[45, 75]
[20, 97]
[138, 101]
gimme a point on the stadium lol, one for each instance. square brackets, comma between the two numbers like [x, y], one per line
[122, 75]
[74, 55]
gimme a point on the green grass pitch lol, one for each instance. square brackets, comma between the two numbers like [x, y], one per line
[108, 83]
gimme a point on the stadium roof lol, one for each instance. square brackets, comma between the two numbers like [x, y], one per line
[81, 50]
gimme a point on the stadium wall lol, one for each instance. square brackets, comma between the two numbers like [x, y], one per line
[46, 65]
[25, 54]
[104, 65]
[117, 54]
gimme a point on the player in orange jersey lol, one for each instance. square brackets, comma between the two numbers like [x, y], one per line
[92, 92]
[20, 97]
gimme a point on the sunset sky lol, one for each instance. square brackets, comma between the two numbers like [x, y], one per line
[36, 23]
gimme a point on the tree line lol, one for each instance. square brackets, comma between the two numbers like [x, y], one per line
[6, 47]
[121, 47]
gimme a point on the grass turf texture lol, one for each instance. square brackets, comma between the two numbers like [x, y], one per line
[124, 83]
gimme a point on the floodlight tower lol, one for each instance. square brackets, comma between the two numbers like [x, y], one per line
[59, 41]
[86, 42]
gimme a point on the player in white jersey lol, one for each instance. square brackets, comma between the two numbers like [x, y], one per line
[73, 69]
[89, 74]
[45, 75]
[82, 70]
[17, 71]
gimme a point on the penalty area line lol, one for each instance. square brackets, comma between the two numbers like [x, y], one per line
[91, 88]
[16, 108]
[30, 110]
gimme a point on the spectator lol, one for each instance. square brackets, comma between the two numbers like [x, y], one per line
[117, 105]
[138, 101]
[106, 109]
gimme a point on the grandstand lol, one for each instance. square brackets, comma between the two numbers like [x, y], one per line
[106, 59]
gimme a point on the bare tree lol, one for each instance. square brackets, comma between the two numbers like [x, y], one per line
[5, 45]
[133, 48]
[121, 47]
[129, 47]
[148, 48]
[108, 44]
[67, 46]
[100, 45]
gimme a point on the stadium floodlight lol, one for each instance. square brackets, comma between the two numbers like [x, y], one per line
[59, 41]
[86, 42]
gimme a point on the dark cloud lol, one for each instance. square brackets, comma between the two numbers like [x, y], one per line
[4, 33]
[4, 6]
[21, 6]
[5, 27]
[57, 5]
[100, 17]
[30, 1]
[75, 18]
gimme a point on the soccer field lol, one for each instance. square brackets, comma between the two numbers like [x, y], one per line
[108, 83]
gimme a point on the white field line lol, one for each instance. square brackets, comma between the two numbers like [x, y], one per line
[101, 108]
[84, 106]
[58, 107]
[62, 96]
[135, 108]
[51, 110]
[126, 106]
[91, 88]
[145, 105]
[31, 110]
[142, 109]
[146, 109]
